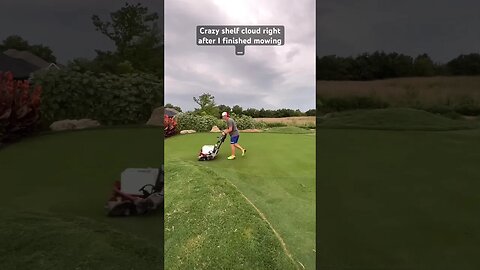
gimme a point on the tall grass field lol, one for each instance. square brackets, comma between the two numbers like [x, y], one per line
[436, 94]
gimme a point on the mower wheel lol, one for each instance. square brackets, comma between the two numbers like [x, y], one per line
[125, 208]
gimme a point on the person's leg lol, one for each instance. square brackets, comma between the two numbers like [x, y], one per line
[233, 141]
[232, 146]
[241, 148]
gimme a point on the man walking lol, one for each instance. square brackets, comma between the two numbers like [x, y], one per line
[234, 135]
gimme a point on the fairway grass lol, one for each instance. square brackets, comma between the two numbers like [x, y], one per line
[45, 241]
[276, 176]
[70, 175]
[398, 200]
[209, 225]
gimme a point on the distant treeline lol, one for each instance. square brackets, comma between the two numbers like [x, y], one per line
[255, 113]
[252, 112]
[381, 65]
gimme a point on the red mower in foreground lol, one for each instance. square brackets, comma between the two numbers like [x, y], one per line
[140, 191]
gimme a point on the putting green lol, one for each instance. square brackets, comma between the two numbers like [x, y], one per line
[398, 200]
[277, 176]
[71, 175]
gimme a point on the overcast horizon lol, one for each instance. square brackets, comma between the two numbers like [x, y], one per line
[270, 77]
[444, 29]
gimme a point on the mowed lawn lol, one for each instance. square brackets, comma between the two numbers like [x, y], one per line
[277, 176]
[398, 199]
[54, 188]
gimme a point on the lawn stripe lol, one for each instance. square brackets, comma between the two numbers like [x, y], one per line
[284, 246]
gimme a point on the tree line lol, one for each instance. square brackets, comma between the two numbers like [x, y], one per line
[207, 106]
[381, 65]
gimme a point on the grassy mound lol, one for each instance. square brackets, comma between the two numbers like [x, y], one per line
[398, 200]
[43, 241]
[210, 225]
[393, 119]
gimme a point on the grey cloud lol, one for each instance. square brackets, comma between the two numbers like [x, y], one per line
[261, 78]
[64, 26]
[444, 28]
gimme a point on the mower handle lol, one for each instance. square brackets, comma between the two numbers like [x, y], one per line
[146, 193]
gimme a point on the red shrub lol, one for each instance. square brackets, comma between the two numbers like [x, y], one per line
[170, 125]
[19, 107]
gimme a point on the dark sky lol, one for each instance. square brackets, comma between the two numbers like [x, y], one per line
[63, 25]
[442, 28]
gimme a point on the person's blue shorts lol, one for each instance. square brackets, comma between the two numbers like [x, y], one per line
[234, 140]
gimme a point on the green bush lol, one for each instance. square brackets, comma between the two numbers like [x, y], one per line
[221, 124]
[204, 123]
[191, 121]
[452, 115]
[467, 106]
[275, 124]
[108, 98]
[244, 121]
[261, 125]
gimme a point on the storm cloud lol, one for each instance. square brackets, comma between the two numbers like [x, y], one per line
[442, 28]
[269, 77]
[65, 26]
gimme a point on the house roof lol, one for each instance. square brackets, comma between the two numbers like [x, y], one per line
[20, 68]
[170, 112]
[29, 57]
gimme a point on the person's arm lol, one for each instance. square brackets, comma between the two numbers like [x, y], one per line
[229, 129]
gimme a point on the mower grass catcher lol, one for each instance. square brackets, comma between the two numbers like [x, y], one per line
[139, 191]
[209, 152]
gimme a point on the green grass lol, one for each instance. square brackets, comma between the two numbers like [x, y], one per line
[394, 119]
[71, 175]
[46, 241]
[209, 225]
[277, 176]
[398, 200]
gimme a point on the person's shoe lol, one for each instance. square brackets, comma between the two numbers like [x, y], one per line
[231, 157]
[243, 152]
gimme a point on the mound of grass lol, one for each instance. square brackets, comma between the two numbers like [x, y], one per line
[210, 225]
[43, 241]
[398, 200]
[393, 119]
[276, 175]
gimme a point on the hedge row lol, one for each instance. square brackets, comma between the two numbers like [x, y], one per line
[204, 123]
[108, 98]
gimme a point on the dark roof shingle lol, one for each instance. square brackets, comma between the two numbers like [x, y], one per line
[21, 69]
